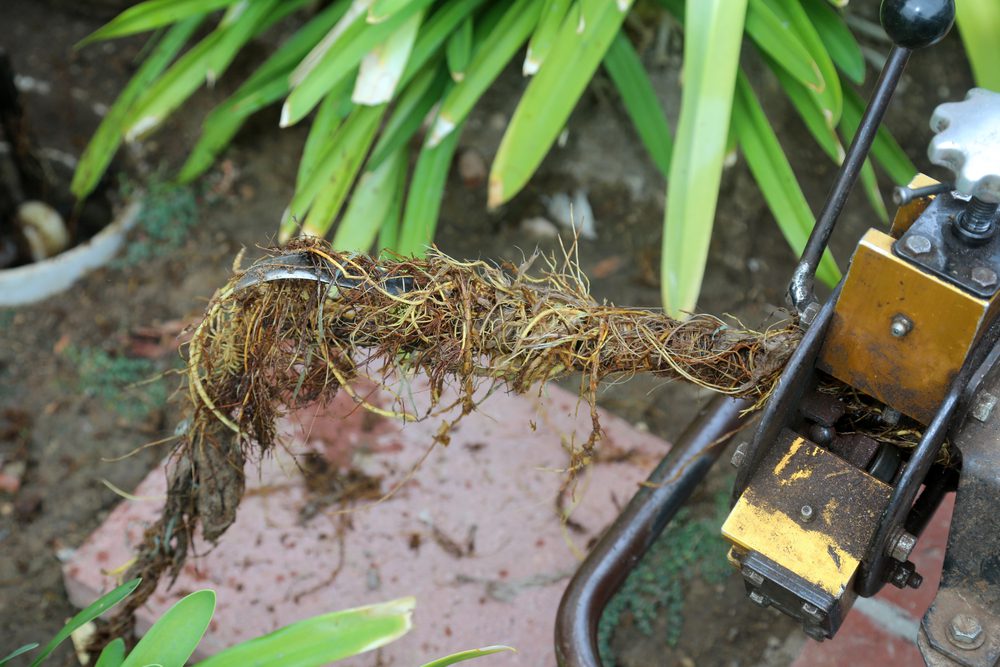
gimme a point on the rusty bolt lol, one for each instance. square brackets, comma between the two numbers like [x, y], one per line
[918, 244]
[966, 632]
[901, 325]
[983, 276]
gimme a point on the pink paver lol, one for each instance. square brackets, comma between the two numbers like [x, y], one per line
[495, 486]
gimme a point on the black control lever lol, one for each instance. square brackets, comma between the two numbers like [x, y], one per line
[910, 24]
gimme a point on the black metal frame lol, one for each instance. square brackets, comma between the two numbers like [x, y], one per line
[637, 527]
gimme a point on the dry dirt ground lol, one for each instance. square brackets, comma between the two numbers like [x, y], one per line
[67, 404]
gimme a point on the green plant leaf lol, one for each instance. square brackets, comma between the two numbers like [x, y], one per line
[837, 38]
[713, 36]
[778, 39]
[18, 651]
[409, 112]
[113, 654]
[979, 24]
[382, 68]
[552, 93]
[830, 96]
[775, 177]
[435, 32]
[176, 634]
[885, 150]
[334, 108]
[267, 85]
[151, 15]
[489, 59]
[827, 137]
[630, 78]
[381, 10]
[206, 61]
[336, 56]
[375, 196]
[553, 14]
[462, 656]
[322, 639]
[420, 216]
[92, 611]
[335, 169]
[108, 136]
[458, 50]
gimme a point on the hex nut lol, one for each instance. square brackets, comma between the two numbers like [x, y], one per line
[983, 408]
[966, 632]
[902, 546]
[754, 577]
[983, 276]
[758, 599]
[739, 455]
[918, 244]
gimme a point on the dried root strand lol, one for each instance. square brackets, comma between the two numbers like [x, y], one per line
[280, 345]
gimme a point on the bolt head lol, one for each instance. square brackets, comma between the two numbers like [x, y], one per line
[754, 577]
[901, 325]
[983, 276]
[759, 599]
[807, 513]
[918, 244]
[966, 632]
[983, 408]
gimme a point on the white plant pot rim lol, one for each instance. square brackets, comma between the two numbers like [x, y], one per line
[33, 282]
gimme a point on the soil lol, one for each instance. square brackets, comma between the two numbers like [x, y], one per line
[65, 426]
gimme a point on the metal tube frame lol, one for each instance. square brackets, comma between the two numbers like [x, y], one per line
[637, 527]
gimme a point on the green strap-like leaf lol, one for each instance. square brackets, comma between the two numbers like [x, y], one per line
[336, 56]
[335, 170]
[151, 15]
[435, 32]
[420, 216]
[838, 39]
[334, 108]
[630, 78]
[582, 40]
[322, 639]
[21, 650]
[373, 200]
[206, 61]
[553, 14]
[113, 654]
[462, 656]
[409, 112]
[92, 611]
[778, 39]
[490, 58]
[713, 34]
[382, 68]
[176, 634]
[104, 144]
[774, 176]
[830, 96]
[885, 150]
[381, 10]
[458, 50]
[979, 24]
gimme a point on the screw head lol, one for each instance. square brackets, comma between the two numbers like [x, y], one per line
[918, 244]
[754, 577]
[901, 325]
[759, 599]
[807, 513]
[966, 632]
[983, 408]
[983, 276]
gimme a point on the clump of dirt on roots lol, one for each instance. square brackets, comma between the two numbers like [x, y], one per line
[267, 346]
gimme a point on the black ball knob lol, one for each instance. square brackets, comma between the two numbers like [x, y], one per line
[915, 24]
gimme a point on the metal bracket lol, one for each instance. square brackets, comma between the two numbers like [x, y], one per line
[932, 244]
